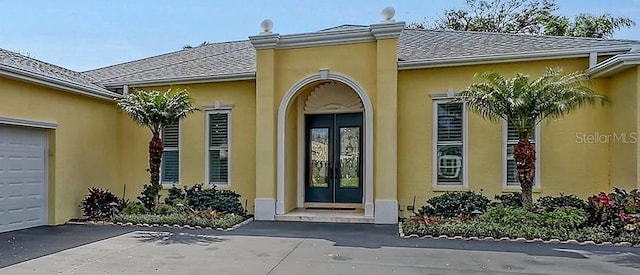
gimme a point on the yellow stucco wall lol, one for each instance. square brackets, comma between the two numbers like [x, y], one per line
[83, 150]
[135, 140]
[566, 165]
[624, 123]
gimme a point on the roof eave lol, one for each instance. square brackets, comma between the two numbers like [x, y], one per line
[55, 83]
[614, 64]
[184, 80]
[506, 58]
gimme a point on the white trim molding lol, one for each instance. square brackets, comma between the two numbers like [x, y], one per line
[208, 148]
[615, 64]
[437, 99]
[328, 37]
[537, 140]
[505, 58]
[368, 137]
[28, 123]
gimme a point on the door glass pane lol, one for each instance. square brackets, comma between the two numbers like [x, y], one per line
[319, 166]
[449, 164]
[349, 157]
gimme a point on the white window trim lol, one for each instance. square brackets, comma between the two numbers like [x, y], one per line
[207, 148]
[465, 145]
[536, 136]
[169, 184]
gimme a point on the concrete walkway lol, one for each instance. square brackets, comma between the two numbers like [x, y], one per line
[305, 248]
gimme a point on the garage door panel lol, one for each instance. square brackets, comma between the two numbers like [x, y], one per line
[23, 201]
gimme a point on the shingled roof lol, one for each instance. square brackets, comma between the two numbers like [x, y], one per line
[18, 65]
[238, 57]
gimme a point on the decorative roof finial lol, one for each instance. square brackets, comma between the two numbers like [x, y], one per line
[387, 14]
[266, 26]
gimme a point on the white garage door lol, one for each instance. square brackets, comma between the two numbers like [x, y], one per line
[23, 189]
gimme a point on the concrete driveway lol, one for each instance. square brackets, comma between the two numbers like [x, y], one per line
[292, 248]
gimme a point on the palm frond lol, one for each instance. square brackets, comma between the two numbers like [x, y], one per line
[156, 110]
[523, 102]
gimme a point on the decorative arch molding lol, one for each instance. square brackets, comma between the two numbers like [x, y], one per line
[333, 97]
[325, 75]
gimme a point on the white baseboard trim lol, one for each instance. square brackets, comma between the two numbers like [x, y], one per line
[386, 212]
[265, 209]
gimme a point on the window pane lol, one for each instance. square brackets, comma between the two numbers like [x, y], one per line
[218, 166]
[170, 164]
[218, 130]
[170, 136]
[449, 122]
[349, 157]
[449, 163]
[319, 162]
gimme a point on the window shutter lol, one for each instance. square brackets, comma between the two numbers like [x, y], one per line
[512, 134]
[450, 122]
[170, 166]
[218, 166]
[170, 136]
[218, 130]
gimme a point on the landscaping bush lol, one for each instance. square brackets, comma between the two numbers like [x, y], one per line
[511, 200]
[133, 208]
[571, 218]
[150, 195]
[550, 203]
[201, 199]
[509, 216]
[175, 196]
[99, 204]
[227, 221]
[454, 204]
[165, 209]
[616, 212]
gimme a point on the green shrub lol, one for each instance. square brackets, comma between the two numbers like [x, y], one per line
[614, 211]
[99, 204]
[454, 204]
[165, 209]
[508, 216]
[132, 208]
[227, 221]
[550, 203]
[201, 199]
[175, 196]
[150, 195]
[570, 218]
[511, 200]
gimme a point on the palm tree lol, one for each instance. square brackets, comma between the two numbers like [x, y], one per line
[156, 110]
[524, 104]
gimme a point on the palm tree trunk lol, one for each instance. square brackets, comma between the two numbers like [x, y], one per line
[155, 157]
[525, 155]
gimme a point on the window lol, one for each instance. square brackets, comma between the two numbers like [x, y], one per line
[510, 137]
[170, 168]
[218, 145]
[449, 144]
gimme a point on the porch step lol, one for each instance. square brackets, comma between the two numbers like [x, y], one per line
[325, 215]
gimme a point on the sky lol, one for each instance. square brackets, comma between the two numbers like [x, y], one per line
[88, 34]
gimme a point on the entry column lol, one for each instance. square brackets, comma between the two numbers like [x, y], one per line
[386, 142]
[265, 203]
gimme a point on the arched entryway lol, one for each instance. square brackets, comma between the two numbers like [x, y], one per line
[339, 111]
